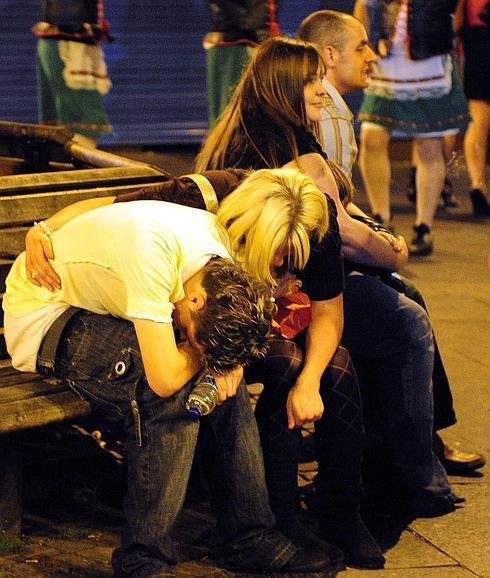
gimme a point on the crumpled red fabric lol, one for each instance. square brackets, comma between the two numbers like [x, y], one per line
[293, 311]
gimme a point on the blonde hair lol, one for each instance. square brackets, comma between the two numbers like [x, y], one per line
[271, 209]
[272, 86]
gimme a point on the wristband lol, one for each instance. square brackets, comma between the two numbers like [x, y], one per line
[44, 228]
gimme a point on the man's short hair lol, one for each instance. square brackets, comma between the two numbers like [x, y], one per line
[325, 27]
[235, 326]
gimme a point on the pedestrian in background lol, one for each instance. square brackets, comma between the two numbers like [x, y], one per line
[412, 93]
[71, 71]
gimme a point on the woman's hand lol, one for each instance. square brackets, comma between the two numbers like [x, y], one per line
[228, 383]
[397, 243]
[38, 252]
[303, 405]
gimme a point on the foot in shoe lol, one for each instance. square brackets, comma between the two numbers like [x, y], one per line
[448, 198]
[354, 539]
[303, 537]
[433, 506]
[459, 462]
[304, 562]
[481, 205]
[423, 242]
[455, 460]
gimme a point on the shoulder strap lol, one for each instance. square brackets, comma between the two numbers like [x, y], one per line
[207, 191]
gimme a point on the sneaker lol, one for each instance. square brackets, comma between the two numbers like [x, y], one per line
[144, 566]
[422, 243]
[481, 206]
[263, 561]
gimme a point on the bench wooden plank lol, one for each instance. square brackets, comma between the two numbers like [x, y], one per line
[40, 411]
[34, 206]
[84, 178]
[5, 265]
[27, 390]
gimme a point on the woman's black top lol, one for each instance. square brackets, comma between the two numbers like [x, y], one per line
[323, 276]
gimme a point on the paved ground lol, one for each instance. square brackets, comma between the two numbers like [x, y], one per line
[456, 284]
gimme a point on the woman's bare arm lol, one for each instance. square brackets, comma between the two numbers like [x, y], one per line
[359, 243]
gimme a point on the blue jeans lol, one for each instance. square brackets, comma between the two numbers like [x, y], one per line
[390, 339]
[100, 359]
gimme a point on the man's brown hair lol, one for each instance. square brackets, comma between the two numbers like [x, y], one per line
[235, 326]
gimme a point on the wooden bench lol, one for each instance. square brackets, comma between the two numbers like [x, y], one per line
[27, 400]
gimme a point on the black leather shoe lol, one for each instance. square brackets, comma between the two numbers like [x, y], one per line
[481, 206]
[354, 539]
[455, 461]
[422, 243]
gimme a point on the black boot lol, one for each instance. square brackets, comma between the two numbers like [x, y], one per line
[354, 539]
[338, 490]
[340, 442]
[282, 483]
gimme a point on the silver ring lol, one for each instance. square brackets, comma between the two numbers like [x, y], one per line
[35, 275]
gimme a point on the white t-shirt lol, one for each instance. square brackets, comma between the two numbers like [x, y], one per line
[129, 260]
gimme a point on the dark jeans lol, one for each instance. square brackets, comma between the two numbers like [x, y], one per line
[99, 358]
[390, 339]
[444, 414]
[338, 434]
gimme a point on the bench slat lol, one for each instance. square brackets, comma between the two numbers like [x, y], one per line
[41, 411]
[33, 206]
[10, 376]
[85, 178]
[28, 390]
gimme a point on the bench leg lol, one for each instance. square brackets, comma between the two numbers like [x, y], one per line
[10, 485]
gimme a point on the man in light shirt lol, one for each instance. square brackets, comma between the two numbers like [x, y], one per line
[343, 43]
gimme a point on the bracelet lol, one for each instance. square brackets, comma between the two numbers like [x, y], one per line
[44, 228]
